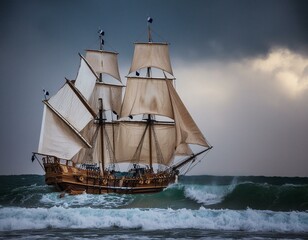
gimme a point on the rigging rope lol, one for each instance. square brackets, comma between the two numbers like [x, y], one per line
[191, 166]
[159, 36]
[136, 156]
[160, 157]
[110, 150]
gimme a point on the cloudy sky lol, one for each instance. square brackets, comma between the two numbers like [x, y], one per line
[241, 69]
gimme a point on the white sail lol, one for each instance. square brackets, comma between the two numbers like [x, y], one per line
[109, 130]
[75, 110]
[110, 94]
[57, 138]
[186, 129]
[86, 79]
[69, 105]
[147, 96]
[156, 96]
[151, 55]
[95, 154]
[133, 143]
[104, 62]
[67, 115]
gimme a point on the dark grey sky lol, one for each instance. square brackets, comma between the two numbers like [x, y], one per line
[248, 60]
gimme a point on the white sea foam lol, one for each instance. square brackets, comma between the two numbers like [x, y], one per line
[82, 200]
[207, 194]
[152, 219]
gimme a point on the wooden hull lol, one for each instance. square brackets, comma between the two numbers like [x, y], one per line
[74, 181]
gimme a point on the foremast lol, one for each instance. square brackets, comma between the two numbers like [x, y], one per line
[101, 119]
[73, 125]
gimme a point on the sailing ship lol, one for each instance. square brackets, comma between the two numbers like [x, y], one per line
[89, 132]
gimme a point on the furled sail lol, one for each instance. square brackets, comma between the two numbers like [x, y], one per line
[104, 62]
[151, 55]
[147, 96]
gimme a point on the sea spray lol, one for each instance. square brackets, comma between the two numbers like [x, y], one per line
[208, 194]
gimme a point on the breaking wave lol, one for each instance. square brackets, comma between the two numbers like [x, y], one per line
[287, 197]
[202, 205]
[14, 218]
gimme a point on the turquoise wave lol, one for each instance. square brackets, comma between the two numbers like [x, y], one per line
[234, 193]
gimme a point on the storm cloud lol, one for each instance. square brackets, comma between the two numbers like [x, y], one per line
[253, 111]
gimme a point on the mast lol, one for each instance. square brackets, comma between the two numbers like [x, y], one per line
[101, 40]
[151, 96]
[104, 63]
[101, 47]
[101, 109]
[150, 20]
[101, 124]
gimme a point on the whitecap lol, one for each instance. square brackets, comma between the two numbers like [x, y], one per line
[152, 219]
[83, 200]
[208, 194]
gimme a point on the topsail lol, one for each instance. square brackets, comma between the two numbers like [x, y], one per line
[151, 55]
[104, 62]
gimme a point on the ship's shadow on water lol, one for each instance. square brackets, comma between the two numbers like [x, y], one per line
[198, 207]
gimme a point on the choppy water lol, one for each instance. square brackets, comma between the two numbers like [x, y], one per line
[202, 207]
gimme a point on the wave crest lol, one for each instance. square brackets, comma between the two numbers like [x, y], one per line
[152, 219]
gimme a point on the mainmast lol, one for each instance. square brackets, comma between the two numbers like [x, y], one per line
[150, 121]
[101, 40]
[150, 20]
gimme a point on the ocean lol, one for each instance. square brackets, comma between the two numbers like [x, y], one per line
[198, 207]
